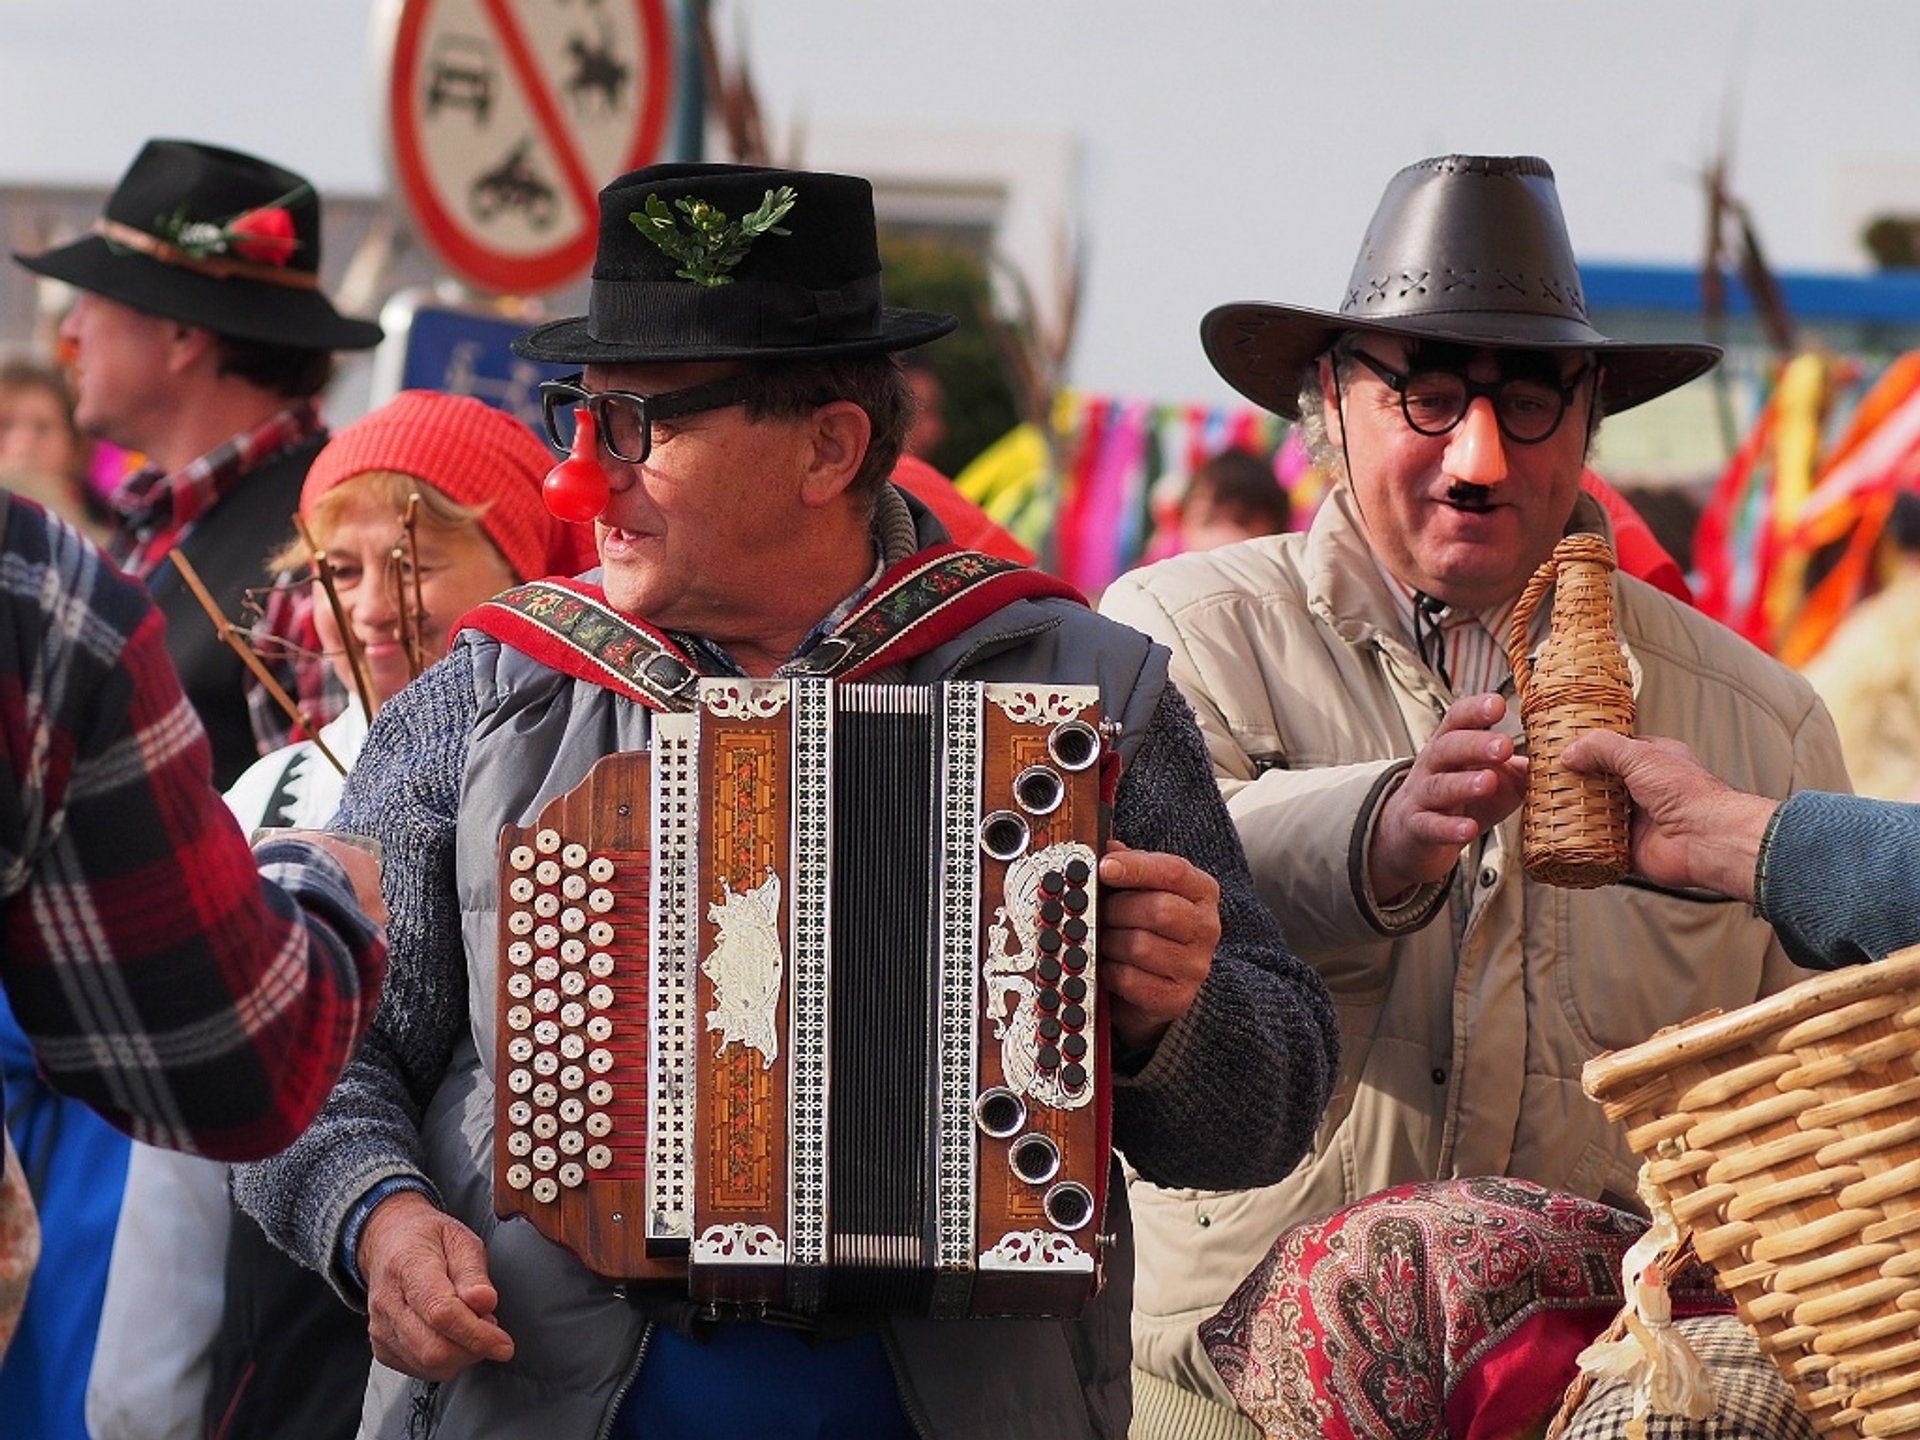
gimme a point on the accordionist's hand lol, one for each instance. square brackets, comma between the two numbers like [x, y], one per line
[429, 1302]
[1159, 925]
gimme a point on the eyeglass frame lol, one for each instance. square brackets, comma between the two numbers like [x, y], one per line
[1397, 381]
[667, 405]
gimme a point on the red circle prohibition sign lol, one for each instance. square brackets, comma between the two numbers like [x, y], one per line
[506, 194]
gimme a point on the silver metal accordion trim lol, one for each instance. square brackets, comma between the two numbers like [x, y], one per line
[1036, 1250]
[739, 1244]
[675, 879]
[747, 967]
[956, 1181]
[812, 980]
[743, 699]
[1028, 705]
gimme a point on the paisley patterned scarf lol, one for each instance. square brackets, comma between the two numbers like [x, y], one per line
[1442, 1311]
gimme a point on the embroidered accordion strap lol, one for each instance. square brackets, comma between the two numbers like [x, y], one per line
[919, 604]
[568, 626]
[923, 602]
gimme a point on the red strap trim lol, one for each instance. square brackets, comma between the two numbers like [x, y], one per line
[979, 584]
[917, 605]
[579, 634]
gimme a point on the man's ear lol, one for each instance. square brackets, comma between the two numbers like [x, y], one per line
[190, 346]
[840, 433]
[1330, 401]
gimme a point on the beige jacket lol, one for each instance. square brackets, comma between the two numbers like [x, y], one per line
[1465, 1019]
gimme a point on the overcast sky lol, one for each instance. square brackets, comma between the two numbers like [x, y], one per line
[1228, 149]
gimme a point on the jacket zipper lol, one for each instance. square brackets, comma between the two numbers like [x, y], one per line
[626, 1384]
[908, 1397]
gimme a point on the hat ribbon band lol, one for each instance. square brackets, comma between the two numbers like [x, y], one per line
[746, 313]
[213, 267]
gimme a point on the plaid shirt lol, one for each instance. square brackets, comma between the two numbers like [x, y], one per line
[159, 979]
[157, 509]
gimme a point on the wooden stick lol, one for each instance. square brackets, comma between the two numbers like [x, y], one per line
[226, 631]
[356, 654]
[413, 618]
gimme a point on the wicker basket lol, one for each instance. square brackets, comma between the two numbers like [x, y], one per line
[1786, 1134]
[1573, 828]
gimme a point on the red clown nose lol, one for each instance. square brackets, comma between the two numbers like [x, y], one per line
[576, 488]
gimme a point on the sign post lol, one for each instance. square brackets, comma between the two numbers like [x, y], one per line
[505, 117]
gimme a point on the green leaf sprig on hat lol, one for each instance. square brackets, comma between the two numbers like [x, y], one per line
[715, 245]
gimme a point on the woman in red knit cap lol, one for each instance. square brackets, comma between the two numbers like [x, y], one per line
[192, 1343]
[480, 526]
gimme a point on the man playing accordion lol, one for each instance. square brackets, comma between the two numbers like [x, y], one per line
[739, 410]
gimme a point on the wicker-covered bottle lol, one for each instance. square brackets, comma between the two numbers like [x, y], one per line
[1573, 827]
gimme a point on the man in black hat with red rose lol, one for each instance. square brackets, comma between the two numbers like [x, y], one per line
[202, 341]
[739, 410]
[1353, 687]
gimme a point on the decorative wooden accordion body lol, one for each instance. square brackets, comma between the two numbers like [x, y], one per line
[803, 1004]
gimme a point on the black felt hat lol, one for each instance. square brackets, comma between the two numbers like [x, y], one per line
[214, 238]
[1468, 249]
[732, 262]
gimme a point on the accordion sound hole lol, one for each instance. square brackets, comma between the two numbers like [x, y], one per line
[1004, 835]
[1039, 790]
[1000, 1112]
[1074, 745]
[1069, 1205]
[1036, 1159]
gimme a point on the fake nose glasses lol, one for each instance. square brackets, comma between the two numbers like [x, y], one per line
[576, 489]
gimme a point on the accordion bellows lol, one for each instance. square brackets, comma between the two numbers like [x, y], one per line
[800, 1007]
[1786, 1135]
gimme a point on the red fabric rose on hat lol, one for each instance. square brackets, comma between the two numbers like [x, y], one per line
[264, 235]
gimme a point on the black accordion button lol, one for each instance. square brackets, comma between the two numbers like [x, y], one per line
[1051, 911]
[1077, 872]
[1074, 1047]
[1076, 901]
[1050, 940]
[1048, 1000]
[1052, 883]
[1073, 1077]
[1050, 1030]
[1049, 969]
[1075, 986]
[1048, 1058]
[1074, 958]
[1075, 929]
[1073, 1017]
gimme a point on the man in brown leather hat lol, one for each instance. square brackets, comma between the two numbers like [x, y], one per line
[1353, 688]
[202, 341]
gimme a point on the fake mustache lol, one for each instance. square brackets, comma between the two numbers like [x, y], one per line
[1464, 496]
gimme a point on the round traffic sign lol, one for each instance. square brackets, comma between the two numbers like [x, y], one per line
[505, 117]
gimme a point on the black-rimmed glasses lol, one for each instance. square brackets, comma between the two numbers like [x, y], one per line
[624, 420]
[1527, 409]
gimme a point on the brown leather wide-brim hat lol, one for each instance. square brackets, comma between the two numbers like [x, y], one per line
[1467, 249]
[215, 238]
[733, 262]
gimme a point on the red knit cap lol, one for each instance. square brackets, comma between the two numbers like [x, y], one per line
[474, 455]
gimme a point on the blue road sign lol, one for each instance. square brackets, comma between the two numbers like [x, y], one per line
[460, 351]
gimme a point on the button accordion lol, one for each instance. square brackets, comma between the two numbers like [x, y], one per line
[801, 1006]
